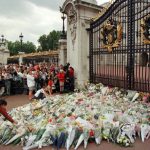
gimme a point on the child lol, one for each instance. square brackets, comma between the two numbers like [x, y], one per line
[50, 85]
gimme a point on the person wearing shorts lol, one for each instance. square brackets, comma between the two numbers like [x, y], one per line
[31, 83]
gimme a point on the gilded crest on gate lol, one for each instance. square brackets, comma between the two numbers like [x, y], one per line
[111, 34]
[145, 28]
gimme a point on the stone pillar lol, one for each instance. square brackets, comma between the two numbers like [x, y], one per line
[1, 57]
[21, 57]
[4, 54]
[63, 52]
[20, 60]
[79, 14]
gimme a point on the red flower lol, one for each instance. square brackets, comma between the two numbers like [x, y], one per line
[50, 120]
[91, 133]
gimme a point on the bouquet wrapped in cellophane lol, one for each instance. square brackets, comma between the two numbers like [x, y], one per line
[95, 113]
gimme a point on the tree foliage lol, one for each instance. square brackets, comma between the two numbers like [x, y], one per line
[43, 42]
[47, 42]
[15, 47]
[50, 41]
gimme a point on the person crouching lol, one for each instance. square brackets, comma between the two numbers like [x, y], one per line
[41, 93]
[3, 112]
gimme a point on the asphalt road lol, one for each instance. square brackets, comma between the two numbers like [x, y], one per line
[18, 100]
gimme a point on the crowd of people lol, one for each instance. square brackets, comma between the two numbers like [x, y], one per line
[39, 79]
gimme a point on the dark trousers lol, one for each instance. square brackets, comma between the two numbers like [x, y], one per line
[7, 86]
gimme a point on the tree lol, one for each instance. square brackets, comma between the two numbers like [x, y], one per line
[43, 42]
[29, 47]
[15, 47]
[39, 48]
[50, 41]
[53, 39]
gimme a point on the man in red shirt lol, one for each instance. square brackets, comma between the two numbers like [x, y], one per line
[71, 76]
[61, 78]
[71, 72]
[3, 111]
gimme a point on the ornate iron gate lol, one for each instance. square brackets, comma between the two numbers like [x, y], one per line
[120, 46]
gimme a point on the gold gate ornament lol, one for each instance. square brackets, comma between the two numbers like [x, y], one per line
[112, 35]
[145, 29]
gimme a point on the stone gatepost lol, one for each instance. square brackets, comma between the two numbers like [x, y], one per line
[79, 14]
[4, 53]
[6, 56]
[21, 57]
[62, 51]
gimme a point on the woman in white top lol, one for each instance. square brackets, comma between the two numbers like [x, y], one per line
[31, 83]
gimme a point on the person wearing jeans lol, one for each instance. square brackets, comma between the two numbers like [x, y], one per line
[2, 84]
[7, 78]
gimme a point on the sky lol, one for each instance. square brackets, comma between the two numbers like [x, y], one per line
[31, 17]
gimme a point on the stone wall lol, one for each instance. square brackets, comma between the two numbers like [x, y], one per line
[79, 14]
[62, 51]
[4, 53]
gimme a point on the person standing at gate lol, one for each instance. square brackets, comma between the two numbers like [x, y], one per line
[61, 78]
[31, 83]
[71, 77]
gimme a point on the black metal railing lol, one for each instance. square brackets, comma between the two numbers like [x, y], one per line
[126, 65]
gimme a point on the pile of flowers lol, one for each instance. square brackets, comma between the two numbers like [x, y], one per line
[95, 113]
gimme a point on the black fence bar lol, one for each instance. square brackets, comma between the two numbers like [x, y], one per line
[126, 65]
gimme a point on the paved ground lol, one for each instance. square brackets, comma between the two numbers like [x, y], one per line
[14, 101]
